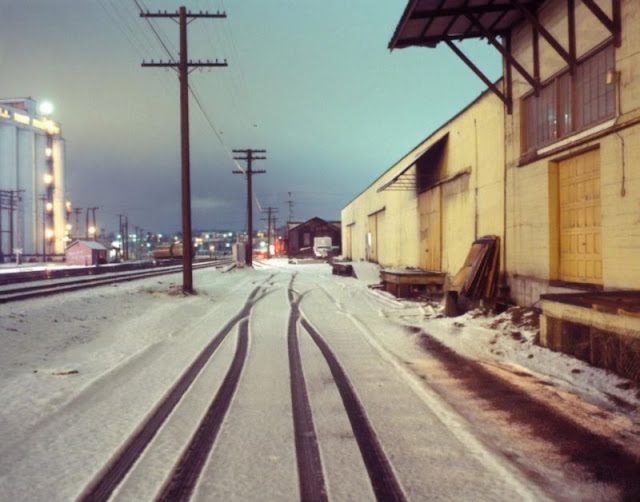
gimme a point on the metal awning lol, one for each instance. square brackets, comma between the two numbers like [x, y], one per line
[405, 180]
[426, 23]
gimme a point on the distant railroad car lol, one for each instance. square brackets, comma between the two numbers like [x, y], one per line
[167, 251]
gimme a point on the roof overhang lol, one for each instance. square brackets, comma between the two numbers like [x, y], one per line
[429, 22]
[403, 180]
[426, 23]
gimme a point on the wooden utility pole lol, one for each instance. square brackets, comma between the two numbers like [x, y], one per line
[183, 66]
[249, 174]
[270, 211]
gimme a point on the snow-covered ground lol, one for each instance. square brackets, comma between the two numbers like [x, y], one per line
[63, 357]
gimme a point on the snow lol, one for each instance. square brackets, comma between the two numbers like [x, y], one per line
[81, 370]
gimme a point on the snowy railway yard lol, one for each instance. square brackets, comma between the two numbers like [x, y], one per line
[285, 382]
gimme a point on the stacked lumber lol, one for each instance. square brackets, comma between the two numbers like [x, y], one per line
[478, 277]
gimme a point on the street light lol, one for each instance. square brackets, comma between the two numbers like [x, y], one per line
[46, 108]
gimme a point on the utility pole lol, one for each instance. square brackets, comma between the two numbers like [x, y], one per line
[249, 174]
[43, 198]
[124, 235]
[270, 211]
[95, 226]
[183, 69]
[77, 211]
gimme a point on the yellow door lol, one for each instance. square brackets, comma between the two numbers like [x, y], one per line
[430, 229]
[580, 219]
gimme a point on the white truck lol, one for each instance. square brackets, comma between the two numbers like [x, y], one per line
[322, 246]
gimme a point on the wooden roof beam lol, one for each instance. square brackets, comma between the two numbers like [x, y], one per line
[479, 73]
[493, 41]
[613, 25]
[546, 35]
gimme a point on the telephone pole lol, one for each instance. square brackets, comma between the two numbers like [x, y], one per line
[76, 230]
[270, 211]
[249, 157]
[183, 70]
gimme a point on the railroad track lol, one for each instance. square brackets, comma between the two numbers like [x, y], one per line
[181, 482]
[10, 293]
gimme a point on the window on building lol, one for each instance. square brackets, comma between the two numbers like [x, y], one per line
[306, 239]
[570, 103]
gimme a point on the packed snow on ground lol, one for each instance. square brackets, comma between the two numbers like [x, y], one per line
[61, 355]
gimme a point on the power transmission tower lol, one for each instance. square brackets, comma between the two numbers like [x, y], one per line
[290, 203]
[183, 70]
[249, 174]
[271, 211]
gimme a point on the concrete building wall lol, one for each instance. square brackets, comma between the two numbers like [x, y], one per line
[470, 186]
[532, 228]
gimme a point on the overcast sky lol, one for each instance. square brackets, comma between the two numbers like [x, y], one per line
[311, 82]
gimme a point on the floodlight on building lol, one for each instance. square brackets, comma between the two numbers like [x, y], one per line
[48, 152]
[92, 230]
[49, 206]
[69, 227]
[48, 178]
[48, 233]
[67, 206]
[51, 127]
[46, 108]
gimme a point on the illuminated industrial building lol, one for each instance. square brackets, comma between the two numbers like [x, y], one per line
[33, 206]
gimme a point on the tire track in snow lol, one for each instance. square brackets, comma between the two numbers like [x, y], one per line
[103, 485]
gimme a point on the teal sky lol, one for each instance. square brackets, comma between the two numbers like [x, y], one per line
[311, 82]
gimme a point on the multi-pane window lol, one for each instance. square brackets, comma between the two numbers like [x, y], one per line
[570, 103]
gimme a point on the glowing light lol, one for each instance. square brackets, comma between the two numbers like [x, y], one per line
[48, 179]
[69, 226]
[48, 233]
[23, 119]
[49, 206]
[92, 230]
[48, 152]
[46, 108]
[67, 205]
[51, 127]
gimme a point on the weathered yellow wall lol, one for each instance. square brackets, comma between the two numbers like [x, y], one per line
[472, 204]
[530, 227]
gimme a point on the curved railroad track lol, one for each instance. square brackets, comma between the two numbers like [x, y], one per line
[183, 478]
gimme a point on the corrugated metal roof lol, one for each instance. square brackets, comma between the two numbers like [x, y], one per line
[428, 22]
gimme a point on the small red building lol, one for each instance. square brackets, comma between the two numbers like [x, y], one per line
[85, 253]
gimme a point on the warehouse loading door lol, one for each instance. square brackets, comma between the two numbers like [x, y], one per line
[429, 203]
[580, 219]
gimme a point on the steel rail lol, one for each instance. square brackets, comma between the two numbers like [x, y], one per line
[27, 292]
[107, 480]
[310, 471]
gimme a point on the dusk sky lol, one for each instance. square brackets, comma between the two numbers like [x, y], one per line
[311, 82]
